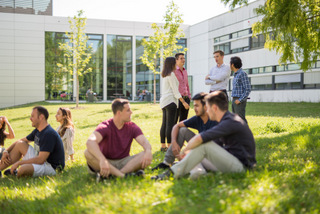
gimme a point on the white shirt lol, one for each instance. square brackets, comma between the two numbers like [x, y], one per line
[170, 91]
[222, 74]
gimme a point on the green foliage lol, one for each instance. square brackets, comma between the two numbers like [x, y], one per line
[76, 49]
[164, 41]
[286, 179]
[291, 28]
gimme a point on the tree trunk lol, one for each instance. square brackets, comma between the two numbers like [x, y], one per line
[77, 98]
[154, 88]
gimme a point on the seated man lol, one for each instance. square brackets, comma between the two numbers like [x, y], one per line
[45, 158]
[108, 147]
[232, 152]
[181, 133]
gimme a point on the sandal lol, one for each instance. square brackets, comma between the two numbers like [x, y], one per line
[164, 149]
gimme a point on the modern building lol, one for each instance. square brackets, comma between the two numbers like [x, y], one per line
[29, 53]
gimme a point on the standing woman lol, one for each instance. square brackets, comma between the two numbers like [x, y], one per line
[66, 131]
[3, 134]
[169, 101]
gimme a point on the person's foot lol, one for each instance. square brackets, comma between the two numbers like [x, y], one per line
[164, 176]
[164, 149]
[139, 173]
[100, 178]
[160, 166]
[8, 172]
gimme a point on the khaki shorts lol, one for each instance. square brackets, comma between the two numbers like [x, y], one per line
[118, 163]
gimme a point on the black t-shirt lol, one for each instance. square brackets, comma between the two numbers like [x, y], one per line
[48, 140]
[197, 123]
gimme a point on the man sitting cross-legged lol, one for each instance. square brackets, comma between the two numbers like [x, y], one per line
[108, 147]
[229, 146]
[181, 133]
[45, 158]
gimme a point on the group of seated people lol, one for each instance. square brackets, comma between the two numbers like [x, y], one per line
[224, 143]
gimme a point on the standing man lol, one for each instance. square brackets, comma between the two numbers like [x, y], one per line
[241, 88]
[108, 147]
[45, 158]
[229, 146]
[219, 75]
[181, 133]
[182, 76]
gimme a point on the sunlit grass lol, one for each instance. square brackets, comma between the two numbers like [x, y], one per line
[286, 179]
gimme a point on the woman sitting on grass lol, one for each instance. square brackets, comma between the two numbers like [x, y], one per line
[3, 134]
[66, 131]
[169, 101]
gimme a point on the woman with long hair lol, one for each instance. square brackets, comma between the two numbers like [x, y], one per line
[169, 101]
[66, 131]
[3, 134]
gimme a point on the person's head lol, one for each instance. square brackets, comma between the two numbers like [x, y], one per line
[39, 114]
[169, 66]
[64, 117]
[2, 129]
[218, 56]
[121, 109]
[180, 59]
[235, 63]
[199, 103]
[216, 102]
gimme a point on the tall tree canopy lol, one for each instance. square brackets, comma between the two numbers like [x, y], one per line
[291, 27]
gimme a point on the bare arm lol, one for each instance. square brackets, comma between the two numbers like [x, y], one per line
[174, 135]
[40, 159]
[142, 140]
[9, 135]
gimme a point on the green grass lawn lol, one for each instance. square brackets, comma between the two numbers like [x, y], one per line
[286, 179]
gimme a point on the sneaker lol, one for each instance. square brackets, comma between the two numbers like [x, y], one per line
[100, 178]
[163, 149]
[164, 176]
[8, 173]
[161, 166]
[139, 173]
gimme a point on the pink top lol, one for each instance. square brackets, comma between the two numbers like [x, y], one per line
[116, 142]
[182, 77]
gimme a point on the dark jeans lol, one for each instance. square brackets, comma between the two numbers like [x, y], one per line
[168, 120]
[239, 109]
[182, 113]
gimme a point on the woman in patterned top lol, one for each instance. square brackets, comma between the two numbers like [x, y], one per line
[66, 131]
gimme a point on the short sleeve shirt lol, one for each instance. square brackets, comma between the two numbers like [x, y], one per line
[116, 143]
[196, 122]
[48, 140]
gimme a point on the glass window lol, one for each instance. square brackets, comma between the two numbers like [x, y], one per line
[119, 66]
[292, 67]
[268, 69]
[221, 38]
[257, 42]
[255, 70]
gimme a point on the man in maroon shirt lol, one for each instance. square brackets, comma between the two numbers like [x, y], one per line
[182, 76]
[108, 147]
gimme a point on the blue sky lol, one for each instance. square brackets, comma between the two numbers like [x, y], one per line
[194, 11]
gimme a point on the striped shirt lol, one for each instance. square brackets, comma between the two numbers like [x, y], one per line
[241, 86]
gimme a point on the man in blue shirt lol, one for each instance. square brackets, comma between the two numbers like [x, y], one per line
[181, 133]
[47, 155]
[241, 88]
[229, 146]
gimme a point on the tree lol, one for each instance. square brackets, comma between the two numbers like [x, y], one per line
[163, 42]
[291, 27]
[77, 49]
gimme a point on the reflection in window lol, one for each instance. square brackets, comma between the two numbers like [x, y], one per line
[119, 66]
[257, 42]
[224, 47]
[59, 83]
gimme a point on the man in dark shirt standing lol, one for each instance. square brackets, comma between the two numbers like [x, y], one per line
[229, 146]
[44, 158]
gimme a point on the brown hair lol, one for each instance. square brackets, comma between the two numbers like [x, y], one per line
[218, 98]
[220, 52]
[42, 110]
[169, 66]
[178, 54]
[2, 135]
[118, 105]
[67, 121]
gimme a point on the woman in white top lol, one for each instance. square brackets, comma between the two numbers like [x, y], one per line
[66, 131]
[3, 134]
[169, 101]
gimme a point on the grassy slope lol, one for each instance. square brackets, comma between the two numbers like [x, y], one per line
[286, 179]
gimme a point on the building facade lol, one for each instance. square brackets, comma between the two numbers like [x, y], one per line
[29, 54]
